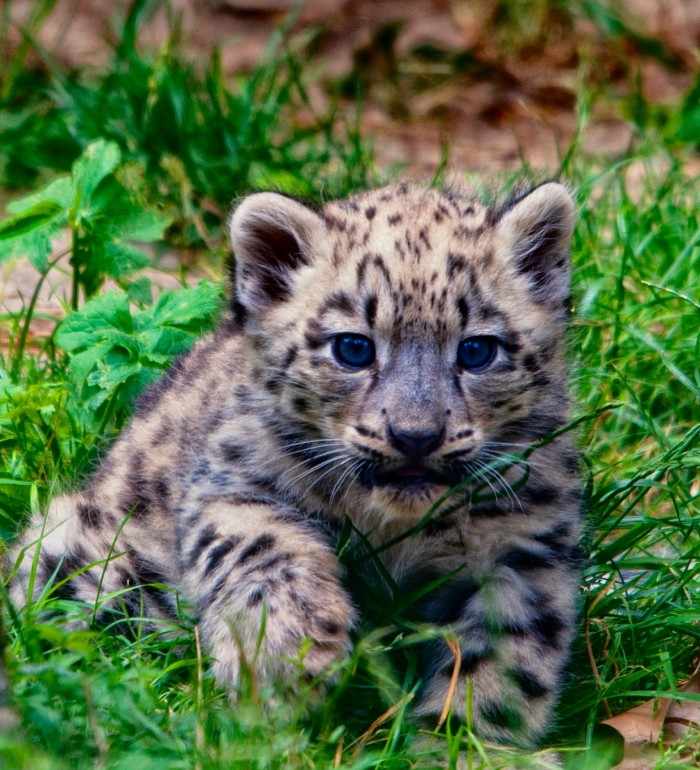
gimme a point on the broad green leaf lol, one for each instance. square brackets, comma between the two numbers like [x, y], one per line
[102, 334]
[113, 213]
[139, 290]
[134, 386]
[104, 317]
[114, 354]
[103, 215]
[81, 364]
[28, 234]
[59, 192]
[38, 247]
[181, 308]
[34, 246]
[30, 220]
[110, 372]
[97, 161]
[140, 224]
[159, 360]
[167, 341]
[109, 258]
[123, 259]
[95, 401]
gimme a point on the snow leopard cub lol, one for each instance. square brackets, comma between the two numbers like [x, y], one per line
[378, 352]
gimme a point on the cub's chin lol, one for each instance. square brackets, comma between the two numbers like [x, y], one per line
[408, 498]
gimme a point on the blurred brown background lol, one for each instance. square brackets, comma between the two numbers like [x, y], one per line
[496, 82]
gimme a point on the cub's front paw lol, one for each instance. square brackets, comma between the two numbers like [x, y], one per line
[277, 632]
[309, 627]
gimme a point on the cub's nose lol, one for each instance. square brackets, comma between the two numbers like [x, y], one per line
[415, 444]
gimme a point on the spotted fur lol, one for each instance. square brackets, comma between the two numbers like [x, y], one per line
[237, 471]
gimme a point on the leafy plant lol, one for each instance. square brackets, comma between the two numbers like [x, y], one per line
[116, 344]
[101, 214]
[115, 351]
[201, 141]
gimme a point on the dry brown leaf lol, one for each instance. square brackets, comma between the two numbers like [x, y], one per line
[640, 756]
[683, 716]
[643, 723]
[644, 726]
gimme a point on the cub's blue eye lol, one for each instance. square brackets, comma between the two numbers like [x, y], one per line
[476, 353]
[353, 350]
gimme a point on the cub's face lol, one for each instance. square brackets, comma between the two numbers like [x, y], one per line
[404, 332]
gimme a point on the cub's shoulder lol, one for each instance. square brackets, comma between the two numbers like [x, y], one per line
[210, 367]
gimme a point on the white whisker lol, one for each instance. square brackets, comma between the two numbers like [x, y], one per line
[315, 443]
[320, 455]
[339, 482]
[327, 473]
[355, 468]
[512, 496]
[335, 457]
[513, 460]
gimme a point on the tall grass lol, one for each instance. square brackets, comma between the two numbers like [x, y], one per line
[637, 333]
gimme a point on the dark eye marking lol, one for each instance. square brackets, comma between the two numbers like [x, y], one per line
[476, 354]
[353, 351]
[371, 310]
[340, 301]
[463, 309]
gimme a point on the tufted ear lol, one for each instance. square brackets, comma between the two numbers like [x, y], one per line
[537, 232]
[272, 236]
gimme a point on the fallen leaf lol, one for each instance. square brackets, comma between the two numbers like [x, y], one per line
[683, 716]
[654, 721]
[643, 723]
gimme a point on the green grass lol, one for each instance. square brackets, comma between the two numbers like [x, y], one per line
[187, 144]
[637, 333]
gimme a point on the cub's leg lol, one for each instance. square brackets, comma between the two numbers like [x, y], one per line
[513, 629]
[89, 549]
[244, 565]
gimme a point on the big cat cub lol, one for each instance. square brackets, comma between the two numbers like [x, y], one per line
[378, 352]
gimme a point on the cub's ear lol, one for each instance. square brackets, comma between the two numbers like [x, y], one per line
[536, 232]
[272, 236]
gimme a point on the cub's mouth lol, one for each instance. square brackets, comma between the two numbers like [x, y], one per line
[411, 475]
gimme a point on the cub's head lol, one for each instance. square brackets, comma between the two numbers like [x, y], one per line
[406, 335]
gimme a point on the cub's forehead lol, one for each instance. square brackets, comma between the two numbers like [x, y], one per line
[428, 236]
[405, 260]
[391, 212]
